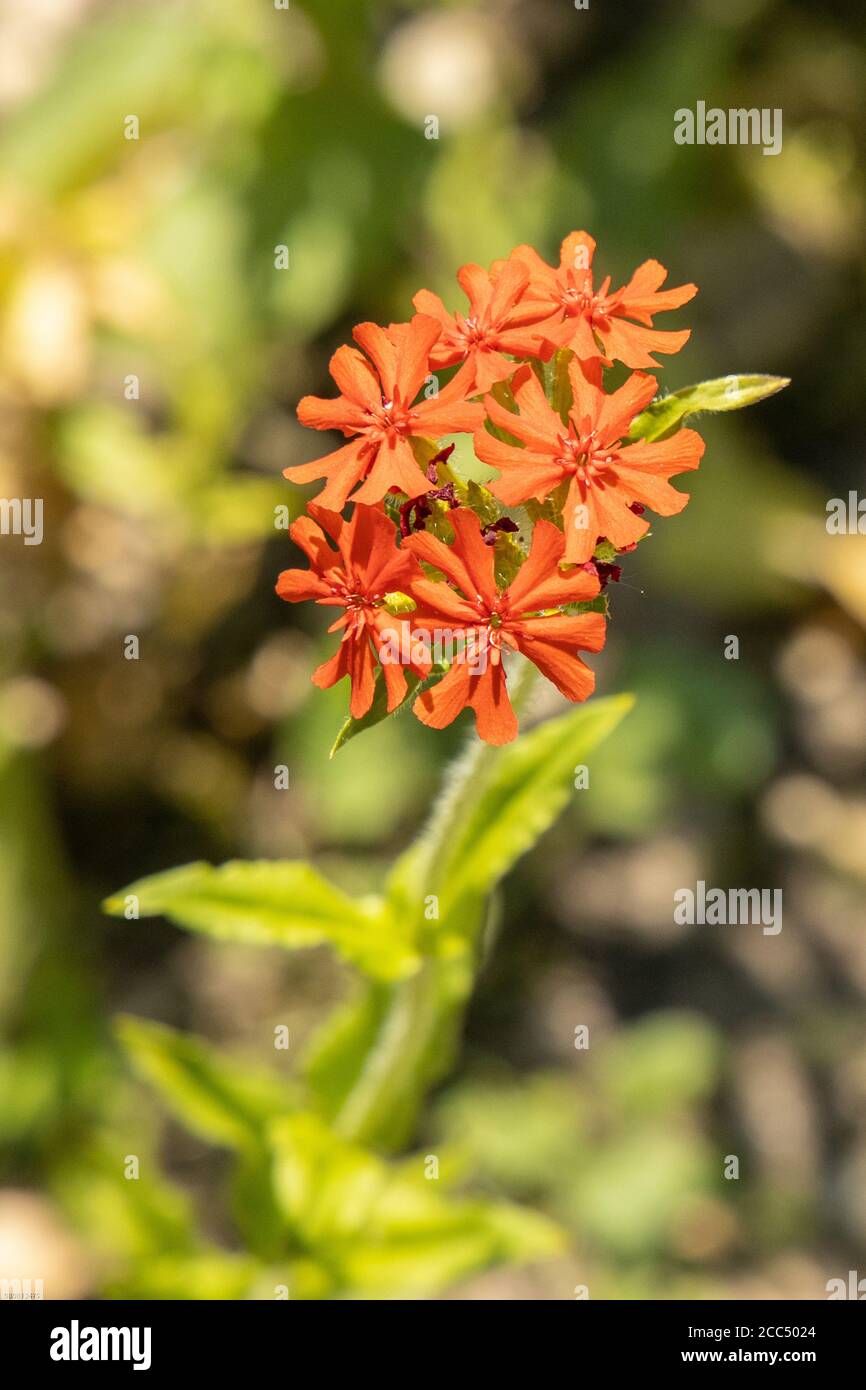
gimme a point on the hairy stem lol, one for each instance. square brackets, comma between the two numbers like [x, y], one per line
[418, 1035]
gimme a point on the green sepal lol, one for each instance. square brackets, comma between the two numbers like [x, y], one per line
[379, 708]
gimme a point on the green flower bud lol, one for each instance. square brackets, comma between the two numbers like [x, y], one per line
[397, 603]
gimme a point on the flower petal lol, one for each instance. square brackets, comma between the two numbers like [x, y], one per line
[361, 670]
[614, 518]
[508, 286]
[427, 303]
[355, 377]
[543, 278]
[491, 367]
[308, 535]
[539, 582]
[446, 415]
[620, 407]
[337, 413]
[475, 284]
[556, 656]
[495, 719]
[478, 558]
[382, 350]
[441, 704]
[414, 341]
[439, 600]
[641, 298]
[395, 467]
[373, 560]
[576, 253]
[632, 344]
[587, 397]
[295, 586]
[342, 469]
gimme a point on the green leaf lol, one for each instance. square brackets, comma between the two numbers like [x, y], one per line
[253, 1204]
[324, 1185]
[387, 1230]
[665, 416]
[214, 1097]
[521, 795]
[496, 804]
[518, 1133]
[667, 1061]
[125, 1219]
[340, 1049]
[436, 1243]
[211, 1275]
[273, 903]
[636, 1187]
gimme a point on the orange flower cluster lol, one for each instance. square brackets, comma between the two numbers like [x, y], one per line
[438, 580]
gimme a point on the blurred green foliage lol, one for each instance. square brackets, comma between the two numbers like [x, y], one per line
[343, 1222]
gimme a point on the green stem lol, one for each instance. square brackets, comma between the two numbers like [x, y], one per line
[381, 1105]
[419, 1030]
[560, 387]
[465, 779]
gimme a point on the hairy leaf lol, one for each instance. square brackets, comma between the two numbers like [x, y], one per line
[666, 415]
[522, 794]
[213, 1096]
[340, 1049]
[273, 903]
[379, 708]
[386, 1230]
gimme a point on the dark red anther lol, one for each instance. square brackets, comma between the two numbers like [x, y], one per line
[603, 571]
[607, 572]
[442, 457]
[489, 533]
[421, 508]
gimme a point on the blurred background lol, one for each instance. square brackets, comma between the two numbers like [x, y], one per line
[150, 359]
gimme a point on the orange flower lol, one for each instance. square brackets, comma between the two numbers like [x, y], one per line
[605, 476]
[356, 577]
[376, 411]
[511, 618]
[495, 324]
[589, 317]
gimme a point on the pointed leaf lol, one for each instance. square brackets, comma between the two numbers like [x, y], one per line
[213, 1096]
[523, 793]
[211, 1276]
[665, 416]
[384, 1229]
[340, 1049]
[379, 708]
[273, 903]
